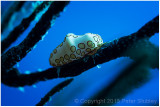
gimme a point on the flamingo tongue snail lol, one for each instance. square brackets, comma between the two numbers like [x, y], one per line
[75, 47]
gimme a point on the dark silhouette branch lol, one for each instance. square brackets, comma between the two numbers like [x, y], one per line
[16, 6]
[133, 76]
[54, 90]
[12, 37]
[109, 51]
[15, 54]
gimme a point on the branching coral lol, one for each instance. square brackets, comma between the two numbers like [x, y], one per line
[53, 91]
[22, 27]
[135, 74]
[15, 54]
[107, 52]
[132, 77]
[17, 6]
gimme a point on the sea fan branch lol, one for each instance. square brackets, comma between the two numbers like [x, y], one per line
[109, 51]
[15, 54]
[133, 76]
[12, 37]
[54, 90]
[16, 6]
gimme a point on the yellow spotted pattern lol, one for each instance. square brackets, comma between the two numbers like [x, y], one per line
[51, 55]
[66, 57]
[81, 45]
[88, 50]
[61, 59]
[77, 50]
[73, 48]
[61, 44]
[55, 51]
[57, 61]
[73, 56]
[83, 53]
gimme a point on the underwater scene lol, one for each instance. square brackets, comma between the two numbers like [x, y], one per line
[80, 53]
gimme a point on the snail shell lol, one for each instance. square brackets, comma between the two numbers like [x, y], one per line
[75, 47]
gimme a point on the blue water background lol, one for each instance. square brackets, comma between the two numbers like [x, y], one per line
[111, 20]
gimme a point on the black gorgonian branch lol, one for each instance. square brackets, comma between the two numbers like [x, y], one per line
[54, 90]
[133, 76]
[12, 37]
[15, 54]
[16, 6]
[109, 51]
